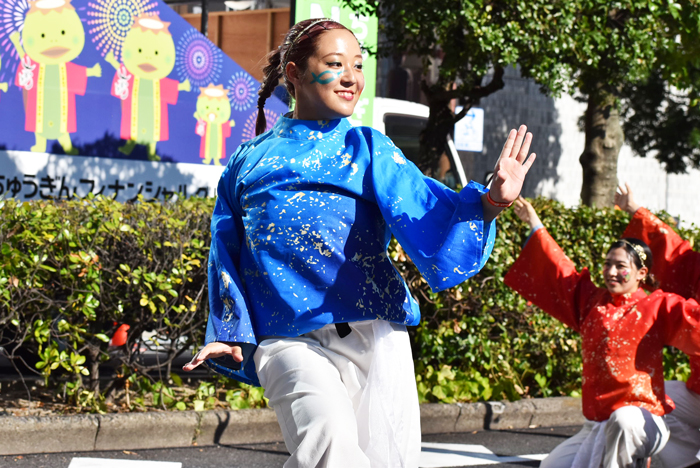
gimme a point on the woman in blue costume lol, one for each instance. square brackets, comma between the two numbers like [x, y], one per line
[304, 299]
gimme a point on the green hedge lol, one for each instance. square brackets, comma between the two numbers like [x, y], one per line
[72, 271]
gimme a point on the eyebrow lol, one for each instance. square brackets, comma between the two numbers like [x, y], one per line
[340, 53]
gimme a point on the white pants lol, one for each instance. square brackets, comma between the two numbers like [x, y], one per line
[683, 448]
[344, 402]
[626, 440]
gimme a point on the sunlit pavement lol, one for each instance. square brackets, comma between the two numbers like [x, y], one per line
[505, 448]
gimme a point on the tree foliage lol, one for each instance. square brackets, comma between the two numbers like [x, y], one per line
[662, 116]
[663, 122]
[613, 53]
[472, 41]
[72, 271]
[601, 51]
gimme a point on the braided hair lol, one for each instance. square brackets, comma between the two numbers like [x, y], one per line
[298, 45]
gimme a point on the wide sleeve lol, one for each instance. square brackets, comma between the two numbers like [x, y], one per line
[229, 317]
[169, 91]
[676, 265]
[442, 231]
[77, 78]
[681, 320]
[544, 275]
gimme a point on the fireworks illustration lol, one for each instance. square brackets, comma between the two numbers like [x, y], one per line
[12, 13]
[249, 126]
[111, 20]
[243, 88]
[197, 59]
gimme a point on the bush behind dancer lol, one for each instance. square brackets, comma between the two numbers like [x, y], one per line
[678, 270]
[623, 332]
[304, 299]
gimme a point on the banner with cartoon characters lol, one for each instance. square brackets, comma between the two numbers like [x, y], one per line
[123, 84]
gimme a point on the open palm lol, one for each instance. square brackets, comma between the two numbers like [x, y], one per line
[212, 351]
[512, 166]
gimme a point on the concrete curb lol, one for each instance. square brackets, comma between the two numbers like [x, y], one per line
[132, 431]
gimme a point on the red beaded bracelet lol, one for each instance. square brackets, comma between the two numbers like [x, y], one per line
[495, 203]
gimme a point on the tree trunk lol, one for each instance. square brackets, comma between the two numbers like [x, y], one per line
[433, 139]
[604, 138]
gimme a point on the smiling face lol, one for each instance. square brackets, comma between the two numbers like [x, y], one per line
[621, 274]
[53, 36]
[149, 51]
[213, 108]
[332, 82]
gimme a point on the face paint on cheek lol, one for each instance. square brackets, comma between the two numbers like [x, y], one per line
[329, 77]
[625, 275]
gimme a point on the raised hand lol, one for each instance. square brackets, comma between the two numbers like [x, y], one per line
[512, 166]
[212, 351]
[184, 86]
[110, 59]
[625, 200]
[15, 39]
[526, 212]
[95, 70]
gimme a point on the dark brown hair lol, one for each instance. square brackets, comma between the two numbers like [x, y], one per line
[298, 45]
[648, 262]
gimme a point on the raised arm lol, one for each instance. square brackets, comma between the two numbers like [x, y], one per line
[544, 275]
[527, 214]
[676, 265]
[15, 39]
[509, 173]
[110, 59]
[444, 232]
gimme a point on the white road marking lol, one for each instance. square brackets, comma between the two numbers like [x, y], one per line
[113, 463]
[434, 455]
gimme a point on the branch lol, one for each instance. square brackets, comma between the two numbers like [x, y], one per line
[463, 112]
[494, 85]
[474, 93]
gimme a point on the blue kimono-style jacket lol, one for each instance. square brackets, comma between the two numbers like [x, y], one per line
[300, 231]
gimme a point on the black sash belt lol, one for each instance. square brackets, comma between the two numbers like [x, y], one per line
[343, 329]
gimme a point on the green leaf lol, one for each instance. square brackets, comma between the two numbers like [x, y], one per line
[102, 337]
[177, 380]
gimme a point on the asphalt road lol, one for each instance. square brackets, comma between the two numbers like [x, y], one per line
[477, 449]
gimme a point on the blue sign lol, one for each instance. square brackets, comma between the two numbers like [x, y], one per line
[469, 131]
[124, 79]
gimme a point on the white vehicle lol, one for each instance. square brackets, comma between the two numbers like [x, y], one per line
[403, 121]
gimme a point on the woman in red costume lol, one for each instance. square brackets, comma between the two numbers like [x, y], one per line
[677, 269]
[623, 333]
